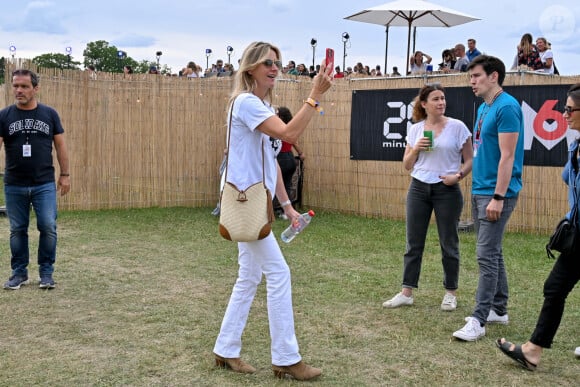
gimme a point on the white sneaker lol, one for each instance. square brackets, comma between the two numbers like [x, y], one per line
[494, 318]
[577, 352]
[471, 331]
[399, 300]
[449, 302]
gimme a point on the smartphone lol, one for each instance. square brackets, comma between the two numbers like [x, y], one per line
[330, 58]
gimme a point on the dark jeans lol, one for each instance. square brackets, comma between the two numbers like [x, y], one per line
[447, 202]
[288, 166]
[560, 282]
[18, 202]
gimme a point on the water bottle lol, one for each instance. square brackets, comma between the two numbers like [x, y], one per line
[297, 226]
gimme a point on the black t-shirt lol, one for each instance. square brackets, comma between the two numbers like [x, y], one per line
[35, 128]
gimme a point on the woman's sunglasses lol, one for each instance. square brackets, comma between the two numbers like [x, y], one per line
[570, 109]
[270, 62]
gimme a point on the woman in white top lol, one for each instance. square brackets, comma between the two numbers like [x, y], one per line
[546, 56]
[417, 65]
[253, 122]
[191, 71]
[436, 170]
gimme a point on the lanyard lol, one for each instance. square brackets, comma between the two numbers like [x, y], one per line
[484, 114]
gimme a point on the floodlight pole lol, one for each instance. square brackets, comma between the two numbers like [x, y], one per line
[345, 38]
[313, 44]
[386, 49]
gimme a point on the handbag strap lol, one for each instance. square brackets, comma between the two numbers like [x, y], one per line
[574, 168]
[228, 147]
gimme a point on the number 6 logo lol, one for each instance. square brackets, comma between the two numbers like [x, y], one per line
[546, 113]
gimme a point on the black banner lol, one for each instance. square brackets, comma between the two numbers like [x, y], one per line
[380, 119]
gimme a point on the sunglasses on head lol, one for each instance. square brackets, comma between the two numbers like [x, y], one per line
[270, 62]
[570, 109]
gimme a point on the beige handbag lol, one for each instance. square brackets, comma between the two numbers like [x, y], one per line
[245, 215]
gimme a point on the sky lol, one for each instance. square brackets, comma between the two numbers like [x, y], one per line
[183, 30]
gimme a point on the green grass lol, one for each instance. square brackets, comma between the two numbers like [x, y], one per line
[141, 293]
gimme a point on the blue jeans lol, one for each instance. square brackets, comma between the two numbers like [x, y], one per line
[447, 202]
[492, 288]
[18, 202]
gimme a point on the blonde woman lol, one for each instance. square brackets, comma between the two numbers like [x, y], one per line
[253, 122]
[527, 54]
[546, 56]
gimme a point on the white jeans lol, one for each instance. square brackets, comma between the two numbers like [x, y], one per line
[257, 258]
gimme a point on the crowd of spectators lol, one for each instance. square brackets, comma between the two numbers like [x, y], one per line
[529, 56]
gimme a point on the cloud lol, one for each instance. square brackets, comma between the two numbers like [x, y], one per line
[134, 40]
[280, 5]
[38, 16]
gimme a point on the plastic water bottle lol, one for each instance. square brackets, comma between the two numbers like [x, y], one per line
[297, 226]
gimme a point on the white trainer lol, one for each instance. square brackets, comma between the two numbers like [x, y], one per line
[471, 331]
[449, 302]
[494, 318]
[577, 352]
[399, 300]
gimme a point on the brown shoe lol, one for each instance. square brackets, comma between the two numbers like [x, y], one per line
[235, 364]
[298, 371]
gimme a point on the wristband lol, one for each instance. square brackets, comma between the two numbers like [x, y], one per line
[459, 175]
[65, 174]
[286, 203]
[315, 104]
[498, 197]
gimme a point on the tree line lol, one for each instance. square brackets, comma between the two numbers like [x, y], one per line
[101, 55]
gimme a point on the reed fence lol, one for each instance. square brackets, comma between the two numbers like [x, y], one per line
[148, 140]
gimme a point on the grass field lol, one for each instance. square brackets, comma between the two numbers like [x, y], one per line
[141, 293]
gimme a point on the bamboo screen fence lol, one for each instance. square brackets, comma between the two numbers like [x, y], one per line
[146, 140]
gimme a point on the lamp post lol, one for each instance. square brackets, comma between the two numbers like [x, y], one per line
[207, 55]
[12, 51]
[230, 51]
[121, 55]
[68, 51]
[345, 39]
[313, 44]
[158, 55]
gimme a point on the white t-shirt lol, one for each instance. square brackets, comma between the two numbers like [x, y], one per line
[544, 56]
[445, 158]
[245, 155]
[418, 69]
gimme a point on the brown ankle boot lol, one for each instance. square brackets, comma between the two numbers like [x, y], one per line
[235, 364]
[298, 371]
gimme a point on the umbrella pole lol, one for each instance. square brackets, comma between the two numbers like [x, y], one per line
[408, 46]
[386, 49]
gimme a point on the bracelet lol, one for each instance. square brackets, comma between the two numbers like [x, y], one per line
[315, 104]
[286, 203]
[459, 175]
[65, 174]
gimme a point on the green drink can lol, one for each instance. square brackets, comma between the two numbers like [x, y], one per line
[429, 135]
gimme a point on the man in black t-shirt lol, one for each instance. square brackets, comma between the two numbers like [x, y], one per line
[28, 130]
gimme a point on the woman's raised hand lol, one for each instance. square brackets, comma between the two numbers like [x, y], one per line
[322, 81]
